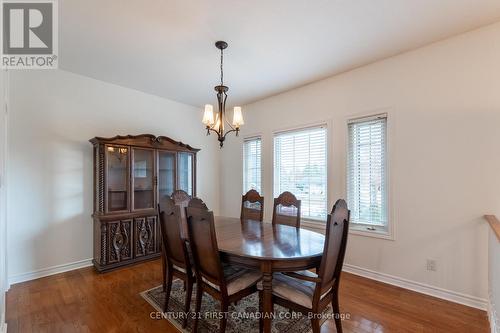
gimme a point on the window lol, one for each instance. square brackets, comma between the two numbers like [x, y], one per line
[300, 167]
[252, 165]
[366, 173]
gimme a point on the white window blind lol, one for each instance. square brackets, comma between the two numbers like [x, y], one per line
[252, 165]
[300, 167]
[366, 172]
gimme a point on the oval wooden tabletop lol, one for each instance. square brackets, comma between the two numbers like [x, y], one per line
[257, 240]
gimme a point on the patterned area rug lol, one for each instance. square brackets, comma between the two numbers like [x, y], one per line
[244, 317]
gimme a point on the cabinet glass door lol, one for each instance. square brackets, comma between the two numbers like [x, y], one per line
[185, 170]
[143, 178]
[117, 178]
[166, 174]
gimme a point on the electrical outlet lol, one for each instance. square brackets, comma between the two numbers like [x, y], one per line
[431, 265]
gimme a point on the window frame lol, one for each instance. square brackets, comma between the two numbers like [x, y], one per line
[246, 139]
[309, 222]
[386, 232]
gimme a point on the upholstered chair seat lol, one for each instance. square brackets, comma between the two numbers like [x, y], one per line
[237, 279]
[295, 290]
[180, 269]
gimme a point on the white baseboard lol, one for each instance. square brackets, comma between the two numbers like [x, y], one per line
[49, 271]
[448, 295]
[3, 328]
[493, 315]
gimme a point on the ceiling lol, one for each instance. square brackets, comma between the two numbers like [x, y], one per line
[166, 47]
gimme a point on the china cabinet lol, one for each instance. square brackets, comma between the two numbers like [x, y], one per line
[131, 174]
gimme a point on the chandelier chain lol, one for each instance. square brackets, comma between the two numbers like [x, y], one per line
[221, 68]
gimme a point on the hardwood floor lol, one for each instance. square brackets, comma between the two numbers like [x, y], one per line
[84, 301]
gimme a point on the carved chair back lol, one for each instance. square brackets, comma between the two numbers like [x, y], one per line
[203, 242]
[181, 199]
[197, 203]
[286, 210]
[252, 206]
[171, 233]
[337, 229]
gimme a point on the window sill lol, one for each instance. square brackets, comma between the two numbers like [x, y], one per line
[361, 231]
[320, 226]
[314, 225]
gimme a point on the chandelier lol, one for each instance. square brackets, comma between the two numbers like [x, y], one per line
[218, 123]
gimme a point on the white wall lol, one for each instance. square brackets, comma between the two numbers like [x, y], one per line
[3, 195]
[443, 102]
[53, 115]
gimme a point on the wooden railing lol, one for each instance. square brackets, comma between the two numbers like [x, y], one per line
[494, 272]
[495, 224]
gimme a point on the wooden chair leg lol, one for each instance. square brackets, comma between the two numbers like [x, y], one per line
[168, 288]
[261, 311]
[336, 312]
[223, 321]
[315, 325]
[197, 308]
[164, 269]
[187, 302]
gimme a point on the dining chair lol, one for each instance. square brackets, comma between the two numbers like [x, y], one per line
[176, 255]
[286, 210]
[197, 203]
[307, 292]
[252, 206]
[181, 199]
[226, 284]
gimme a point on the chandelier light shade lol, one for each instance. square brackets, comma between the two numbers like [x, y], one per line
[218, 122]
[237, 117]
[208, 116]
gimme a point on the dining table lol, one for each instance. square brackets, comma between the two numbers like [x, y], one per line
[269, 248]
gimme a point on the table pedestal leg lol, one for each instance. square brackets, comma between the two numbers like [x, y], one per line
[267, 293]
